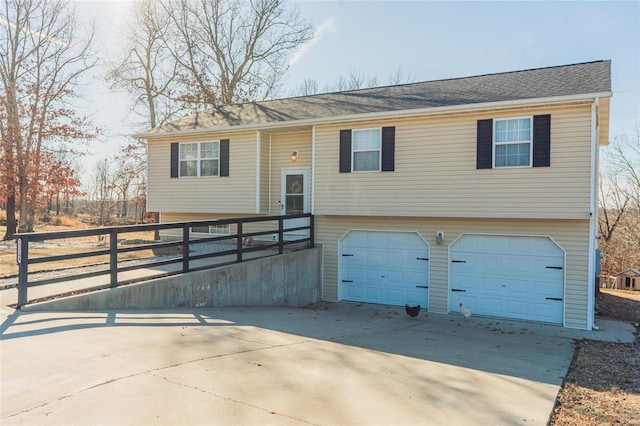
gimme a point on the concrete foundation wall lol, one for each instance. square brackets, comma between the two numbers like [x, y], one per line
[292, 279]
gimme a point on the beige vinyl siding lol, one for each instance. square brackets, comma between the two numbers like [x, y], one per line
[265, 179]
[571, 235]
[435, 172]
[233, 194]
[282, 146]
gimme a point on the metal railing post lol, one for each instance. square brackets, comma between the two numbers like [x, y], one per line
[239, 242]
[185, 248]
[280, 235]
[22, 254]
[113, 257]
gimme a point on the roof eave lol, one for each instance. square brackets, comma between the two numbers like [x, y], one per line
[454, 109]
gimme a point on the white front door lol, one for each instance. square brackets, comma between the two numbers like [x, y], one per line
[294, 199]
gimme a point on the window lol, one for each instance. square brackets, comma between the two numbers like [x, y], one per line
[366, 150]
[512, 142]
[199, 159]
[515, 142]
[212, 229]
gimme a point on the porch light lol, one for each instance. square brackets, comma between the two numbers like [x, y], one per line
[295, 155]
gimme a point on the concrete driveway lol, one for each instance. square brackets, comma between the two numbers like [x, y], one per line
[332, 364]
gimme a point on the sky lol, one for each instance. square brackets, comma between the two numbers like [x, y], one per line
[430, 40]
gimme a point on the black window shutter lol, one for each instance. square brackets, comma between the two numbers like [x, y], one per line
[345, 151]
[175, 153]
[542, 140]
[224, 157]
[484, 151]
[388, 149]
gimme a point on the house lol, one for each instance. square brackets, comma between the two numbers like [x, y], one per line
[628, 279]
[477, 190]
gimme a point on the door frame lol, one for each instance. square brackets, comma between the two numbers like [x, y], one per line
[292, 223]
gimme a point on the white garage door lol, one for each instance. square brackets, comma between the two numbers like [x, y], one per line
[508, 276]
[390, 268]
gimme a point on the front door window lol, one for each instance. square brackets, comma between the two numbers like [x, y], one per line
[294, 194]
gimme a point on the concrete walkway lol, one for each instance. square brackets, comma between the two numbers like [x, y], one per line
[331, 364]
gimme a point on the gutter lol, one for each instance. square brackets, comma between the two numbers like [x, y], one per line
[593, 216]
[419, 112]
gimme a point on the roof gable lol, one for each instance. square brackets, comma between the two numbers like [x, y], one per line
[567, 80]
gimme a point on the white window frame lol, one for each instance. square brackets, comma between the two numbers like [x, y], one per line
[353, 150]
[519, 142]
[198, 158]
[213, 230]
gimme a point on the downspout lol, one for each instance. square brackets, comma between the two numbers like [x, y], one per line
[313, 170]
[258, 154]
[269, 173]
[593, 216]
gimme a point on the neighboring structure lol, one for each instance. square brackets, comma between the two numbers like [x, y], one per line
[480, 190]
[628, 279]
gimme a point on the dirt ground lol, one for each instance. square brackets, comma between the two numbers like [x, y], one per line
[602, 386]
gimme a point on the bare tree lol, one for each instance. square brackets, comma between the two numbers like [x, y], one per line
[41, 59]
[355, 80]
[619, 218]
[401, 77]
[100, 193]
[231, 51]
[308, 87]
[147, 69]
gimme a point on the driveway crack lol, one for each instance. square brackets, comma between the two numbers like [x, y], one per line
[147, 372]
[228, 399]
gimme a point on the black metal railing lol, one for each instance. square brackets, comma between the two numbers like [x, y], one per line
[183, 261]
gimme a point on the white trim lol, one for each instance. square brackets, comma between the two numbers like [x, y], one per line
[494, 142]
[258, 154]
[269, 173]
[593, 216]
[564, 264]
[304, 171]
[353, 150]
[313, 170]
[198, 159]
[454, 109]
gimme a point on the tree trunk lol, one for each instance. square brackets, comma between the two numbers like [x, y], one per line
[11, 215]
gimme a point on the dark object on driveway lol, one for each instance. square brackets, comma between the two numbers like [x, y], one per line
[412, 311]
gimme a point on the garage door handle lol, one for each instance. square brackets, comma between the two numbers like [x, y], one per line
[554, 267]
[555, 298]
[347, 255]
[458, 261]
[458, 289]
[422, 258]
[422, 286]
[347, 281]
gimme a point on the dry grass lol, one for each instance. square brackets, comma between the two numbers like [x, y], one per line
[602, 386]
[9, 267]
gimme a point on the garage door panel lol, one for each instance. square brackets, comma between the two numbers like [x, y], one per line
[508, 276]
[491, 305]
[517, 288]
[387, 267]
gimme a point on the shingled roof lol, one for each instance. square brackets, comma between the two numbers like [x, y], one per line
[566, 80]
